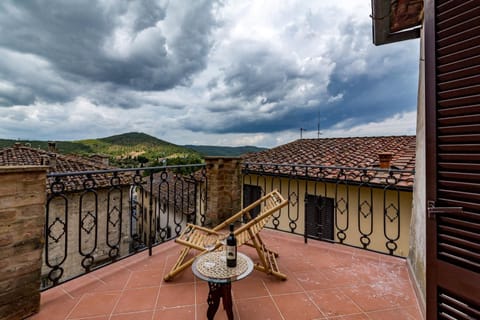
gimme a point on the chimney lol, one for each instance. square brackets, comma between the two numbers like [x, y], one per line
[44, 160]
[52, 161]
[385, 159]
[52, 146]
[17, 145]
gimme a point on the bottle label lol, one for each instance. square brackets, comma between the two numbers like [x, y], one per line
[231, 252]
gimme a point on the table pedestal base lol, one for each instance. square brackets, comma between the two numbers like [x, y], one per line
[217, 291]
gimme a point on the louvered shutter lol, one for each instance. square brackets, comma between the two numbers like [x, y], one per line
[452, 37]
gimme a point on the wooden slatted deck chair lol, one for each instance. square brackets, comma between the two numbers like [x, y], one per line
[196, 237]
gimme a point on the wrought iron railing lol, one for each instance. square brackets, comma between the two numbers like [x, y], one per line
[98, 217]
[369, 208]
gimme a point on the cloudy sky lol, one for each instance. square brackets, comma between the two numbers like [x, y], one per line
[201, 71]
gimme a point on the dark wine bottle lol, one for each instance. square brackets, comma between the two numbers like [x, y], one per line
[231, 249]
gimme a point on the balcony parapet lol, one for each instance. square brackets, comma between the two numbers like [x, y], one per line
[22, 213]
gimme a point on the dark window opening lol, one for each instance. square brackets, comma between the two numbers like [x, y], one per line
[251, 193]
[319, 217]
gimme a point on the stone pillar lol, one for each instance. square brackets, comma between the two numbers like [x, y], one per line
[22, 219]
[224, 185]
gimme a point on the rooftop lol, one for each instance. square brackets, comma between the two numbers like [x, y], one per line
[21, 155]
[325, 281]
[356, 152]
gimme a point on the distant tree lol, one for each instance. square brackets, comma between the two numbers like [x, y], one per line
[142, 159]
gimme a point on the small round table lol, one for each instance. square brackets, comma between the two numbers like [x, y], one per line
[212, 267]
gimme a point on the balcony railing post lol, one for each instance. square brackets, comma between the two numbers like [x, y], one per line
[224, 188]
[22, 222]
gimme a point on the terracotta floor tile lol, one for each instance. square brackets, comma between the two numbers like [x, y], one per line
[297, 306]
[55, 304]
[408, 313]
[177, 313]
[250, 287]
[82, 285]
[141, 299]
[143, 315]
[358, 316]
[258, 308]
[342, 276]
[201, 293]
[95, 304]
[220, 315]
[176, 296]
[145, 278]
[312, 280]
[113, 281]
[276, 286]
[324, 281]
[333, 302]
[367, 297]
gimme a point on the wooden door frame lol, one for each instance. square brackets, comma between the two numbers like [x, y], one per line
[431, 157]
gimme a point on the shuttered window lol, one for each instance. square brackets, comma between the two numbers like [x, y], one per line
[458, 131]
[319, 217]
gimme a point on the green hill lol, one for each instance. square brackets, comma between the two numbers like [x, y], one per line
[135, 148]
[135, 144]
[125, 150]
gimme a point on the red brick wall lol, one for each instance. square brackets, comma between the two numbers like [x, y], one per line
[223, 188]
[22, 217]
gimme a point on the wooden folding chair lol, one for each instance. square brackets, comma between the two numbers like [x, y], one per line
[196, 237]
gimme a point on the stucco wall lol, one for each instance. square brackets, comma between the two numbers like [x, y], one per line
[417, 254]
[292, 217]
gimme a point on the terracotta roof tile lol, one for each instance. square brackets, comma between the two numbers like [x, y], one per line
[355, 152]
[58, 163]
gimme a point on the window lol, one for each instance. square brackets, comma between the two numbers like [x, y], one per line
[319, 217]
[251, 193]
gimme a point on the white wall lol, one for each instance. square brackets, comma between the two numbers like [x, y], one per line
[417, 251]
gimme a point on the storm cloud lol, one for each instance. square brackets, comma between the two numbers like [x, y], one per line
[206, 72]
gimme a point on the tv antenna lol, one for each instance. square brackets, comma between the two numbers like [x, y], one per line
[318, 125]
[301, 132]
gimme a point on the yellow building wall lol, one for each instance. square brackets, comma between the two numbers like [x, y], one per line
[398, 205]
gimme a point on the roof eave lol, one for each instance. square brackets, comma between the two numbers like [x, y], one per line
[381, 25]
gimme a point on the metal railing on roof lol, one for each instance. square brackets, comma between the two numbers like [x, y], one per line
[369, 208]
[94, 218]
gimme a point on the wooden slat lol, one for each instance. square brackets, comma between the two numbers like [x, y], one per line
[458, 70]
[459, 101]
[454, 7]
[460, 186]
[458, 112]
[448, 18]
[457, 303]
[465, 30]
[470, 90]
[456, 46]
[460, 129]
[459, 176]
[472, 248]
[459, 83]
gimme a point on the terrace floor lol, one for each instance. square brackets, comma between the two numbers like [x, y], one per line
[325, 281]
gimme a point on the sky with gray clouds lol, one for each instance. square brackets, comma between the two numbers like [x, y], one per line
[249, 72]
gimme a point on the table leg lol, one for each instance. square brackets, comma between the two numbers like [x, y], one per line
[217, 291]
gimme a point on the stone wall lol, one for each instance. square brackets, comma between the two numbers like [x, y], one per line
[22, 214]
[223, 188]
